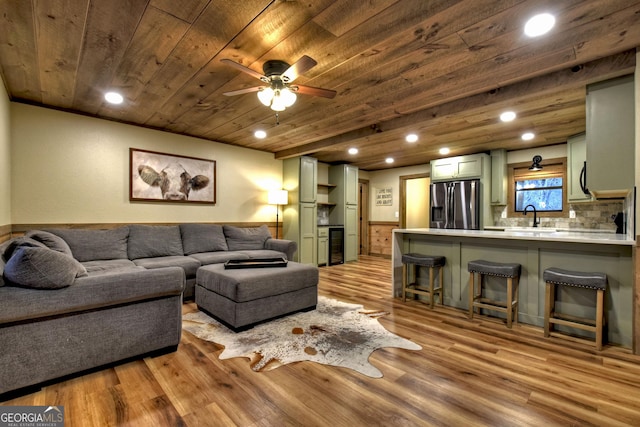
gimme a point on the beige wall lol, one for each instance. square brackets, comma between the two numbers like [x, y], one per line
[5, 158]
[68, 168]
[418, 203]
[389, 178]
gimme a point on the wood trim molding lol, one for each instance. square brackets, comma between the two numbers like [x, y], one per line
[383, 223]
[5, 232]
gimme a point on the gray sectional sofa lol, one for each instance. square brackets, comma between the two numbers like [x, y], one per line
[76, 299]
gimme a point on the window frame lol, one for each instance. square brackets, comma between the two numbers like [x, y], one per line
[521, 171]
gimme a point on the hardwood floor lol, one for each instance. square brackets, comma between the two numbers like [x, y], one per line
[468, 373]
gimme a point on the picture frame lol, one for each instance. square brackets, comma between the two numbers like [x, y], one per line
[170, 178]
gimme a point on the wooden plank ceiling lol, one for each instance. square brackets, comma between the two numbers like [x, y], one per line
[443, 69]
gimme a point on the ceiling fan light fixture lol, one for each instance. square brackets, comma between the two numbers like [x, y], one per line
[265, 95]
[278, 103]
[288, 97]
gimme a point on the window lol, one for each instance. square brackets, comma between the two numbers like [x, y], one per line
[544, 189]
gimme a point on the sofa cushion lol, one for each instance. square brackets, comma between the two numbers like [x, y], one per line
[88, 293]
[264, 253]
[207, 258]
[148, 241]
[101, 266]
[199, 238]
[246, 238]
[89, 245]
[188, 264]
[42, 268]
[50, 240]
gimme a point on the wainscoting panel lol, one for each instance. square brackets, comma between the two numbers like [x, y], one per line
[381, 237]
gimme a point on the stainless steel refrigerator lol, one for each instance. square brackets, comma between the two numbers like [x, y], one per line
[456, 204]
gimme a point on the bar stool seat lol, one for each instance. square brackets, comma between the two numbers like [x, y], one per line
[596, 281]
[419, 260]
[510, 271]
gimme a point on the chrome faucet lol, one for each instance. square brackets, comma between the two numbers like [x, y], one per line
[536, 221]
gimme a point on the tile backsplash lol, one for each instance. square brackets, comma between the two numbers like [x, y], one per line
[593, 215]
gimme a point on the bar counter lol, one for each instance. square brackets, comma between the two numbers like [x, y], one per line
[536, 251]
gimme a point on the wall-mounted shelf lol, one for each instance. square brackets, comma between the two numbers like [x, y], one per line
[327, 185]
[326, 204]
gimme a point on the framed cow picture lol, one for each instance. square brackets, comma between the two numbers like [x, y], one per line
[162, 177]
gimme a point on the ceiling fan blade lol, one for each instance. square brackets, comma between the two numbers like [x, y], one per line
[244, 69]
[243, 91]
[301, 66]
[315, 91]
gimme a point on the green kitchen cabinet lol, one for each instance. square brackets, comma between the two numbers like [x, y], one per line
[345, 196]
[610, 135]
[576, 158]
[499, 182]
[460, 167]
[300, 218]
[323, 245]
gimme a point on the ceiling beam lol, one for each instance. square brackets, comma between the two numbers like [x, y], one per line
[591, 72]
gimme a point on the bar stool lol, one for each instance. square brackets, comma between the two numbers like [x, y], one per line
[596, 281]
[429, 261]
[511, 271]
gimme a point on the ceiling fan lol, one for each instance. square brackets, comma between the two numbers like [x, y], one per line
[278, 75]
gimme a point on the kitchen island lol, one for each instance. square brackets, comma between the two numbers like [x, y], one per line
[536, 251]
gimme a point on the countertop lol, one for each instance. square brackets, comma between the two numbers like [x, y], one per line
[602, 238]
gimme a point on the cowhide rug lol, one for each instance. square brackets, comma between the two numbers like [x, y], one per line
[336, 333]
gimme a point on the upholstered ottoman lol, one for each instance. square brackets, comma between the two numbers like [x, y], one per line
[240, 298]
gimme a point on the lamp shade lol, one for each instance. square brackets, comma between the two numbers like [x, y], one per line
[278, 197]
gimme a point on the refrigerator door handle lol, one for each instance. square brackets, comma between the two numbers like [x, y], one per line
[450, 207]
[473, 207]
[446, 206]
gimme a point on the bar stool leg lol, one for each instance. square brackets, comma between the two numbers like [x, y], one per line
[472, 292]
[431, 286]
[405, 281]
[516, 299]
[549, 305]
[599, 318]
[509, 301]
[441, 293]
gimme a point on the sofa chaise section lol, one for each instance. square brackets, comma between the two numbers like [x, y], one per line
[102, 317]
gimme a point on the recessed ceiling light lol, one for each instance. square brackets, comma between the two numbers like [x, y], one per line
[444, 150]
[389, 160]
[412, 137]
[528, 136]
[260, 134]
[113, 98]
[508, 116]
[539, 25]
[353, 150]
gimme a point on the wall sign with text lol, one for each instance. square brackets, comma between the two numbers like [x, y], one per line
[384, 197]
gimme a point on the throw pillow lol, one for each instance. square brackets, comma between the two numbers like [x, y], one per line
[42, 268]
[14, 244]
[91, 245]
[150, 241]
[249, 238]
[199, 238]
[50, 240]
[4, 245]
